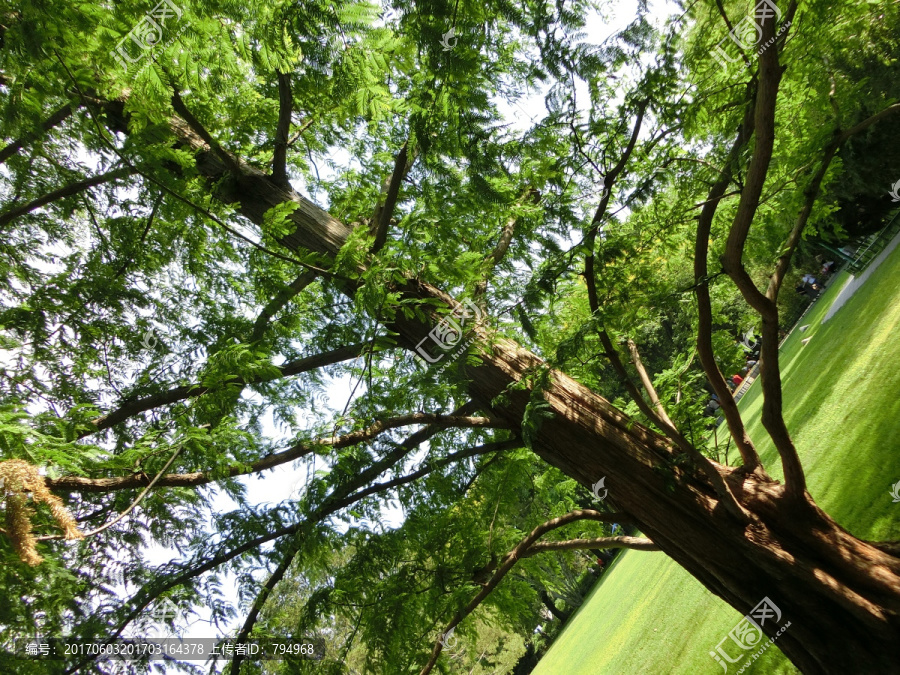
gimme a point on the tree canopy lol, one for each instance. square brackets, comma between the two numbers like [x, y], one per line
[216, 213]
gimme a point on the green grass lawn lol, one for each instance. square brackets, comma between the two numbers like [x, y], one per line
[647, 615]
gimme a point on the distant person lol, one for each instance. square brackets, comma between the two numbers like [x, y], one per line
[828, 269]
[810, 290]
[809, 279]
[737, 379]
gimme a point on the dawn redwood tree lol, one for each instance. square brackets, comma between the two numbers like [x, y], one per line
[167, 248]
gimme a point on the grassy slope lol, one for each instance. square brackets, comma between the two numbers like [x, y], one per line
[650, 616]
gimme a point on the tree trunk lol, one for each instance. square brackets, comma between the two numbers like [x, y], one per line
[841, 595]
[552, 608]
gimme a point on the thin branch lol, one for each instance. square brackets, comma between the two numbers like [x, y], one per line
[279, 572]
[260, 601]
[175, 125]
[133, 504]
[509, 560]
[704, 463]
[340, 498]
[67, 191]
[811, 194]
[150, 219]
[648, 384]
[282, 298]
[197, 478]
[55, 119]
[302, 365]
[492, 259]
[634, 543]
[181, 108]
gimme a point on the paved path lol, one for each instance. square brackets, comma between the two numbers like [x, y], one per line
[854, 283]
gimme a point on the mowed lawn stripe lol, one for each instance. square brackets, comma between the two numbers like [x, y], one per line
[842, 406]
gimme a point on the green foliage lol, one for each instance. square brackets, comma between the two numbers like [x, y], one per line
[113, 297]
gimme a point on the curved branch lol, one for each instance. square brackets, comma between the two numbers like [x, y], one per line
[732, 263]
[279, 301]
[133, 505]
[704, 306]
[510, 559]
[197, 478]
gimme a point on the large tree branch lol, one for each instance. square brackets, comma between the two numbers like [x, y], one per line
[509, 560]
[704, 306]
[55, 119]
[732, 263]
[390, 192]
[67, 191]
[285, 108]
[197, 478]
[303, 365]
